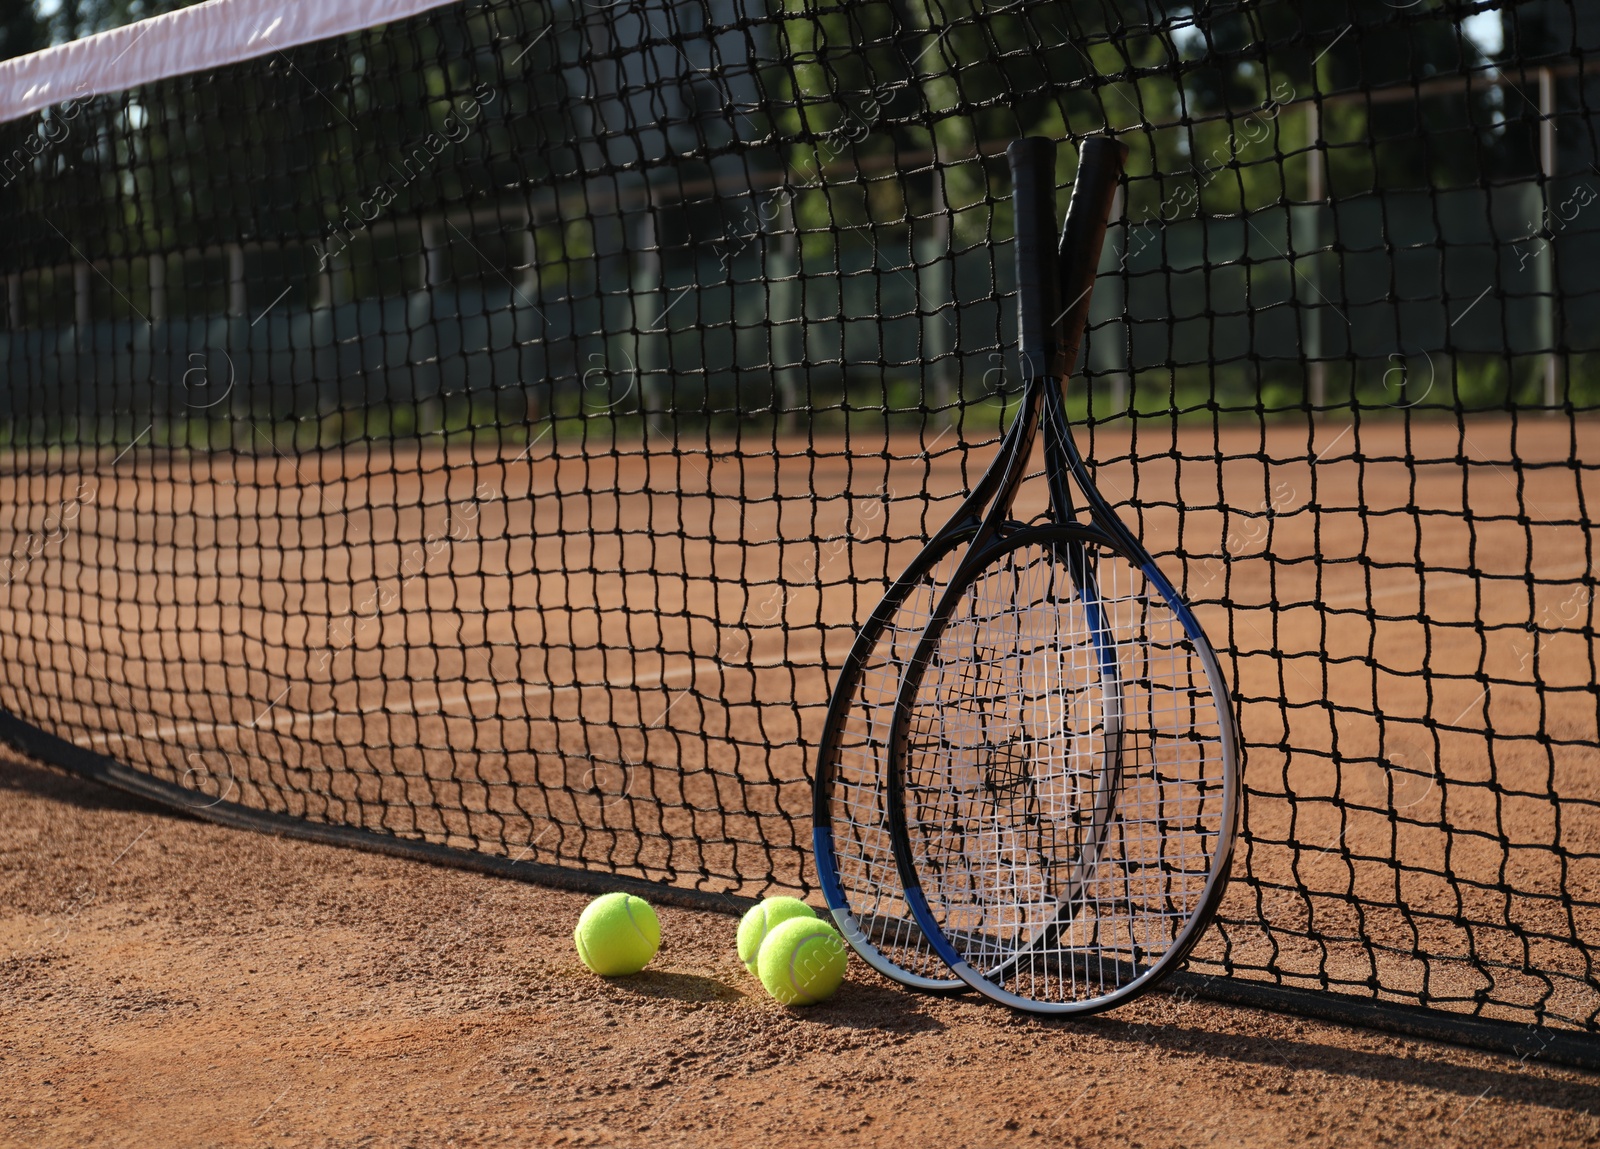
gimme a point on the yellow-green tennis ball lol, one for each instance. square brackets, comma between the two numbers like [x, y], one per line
[617, 934]
[802, 961]
[761, 920]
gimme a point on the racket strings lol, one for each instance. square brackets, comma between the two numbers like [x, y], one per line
[1064, 773]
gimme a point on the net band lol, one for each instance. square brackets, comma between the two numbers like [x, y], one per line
[207, 36]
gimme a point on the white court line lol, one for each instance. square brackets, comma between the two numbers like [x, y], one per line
[281, 718]
[502, 691]
[496, 693]
[1430, 579]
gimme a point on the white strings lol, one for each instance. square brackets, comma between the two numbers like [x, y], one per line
[1064, 776]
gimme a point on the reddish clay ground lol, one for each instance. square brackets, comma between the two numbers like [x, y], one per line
[172, 982]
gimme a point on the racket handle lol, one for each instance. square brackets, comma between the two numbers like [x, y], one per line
[1100, 161]
[1033, 191]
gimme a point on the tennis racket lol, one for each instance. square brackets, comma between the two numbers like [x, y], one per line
[852, 845]
[1062, 766]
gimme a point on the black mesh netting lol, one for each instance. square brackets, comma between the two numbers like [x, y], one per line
[490, 429]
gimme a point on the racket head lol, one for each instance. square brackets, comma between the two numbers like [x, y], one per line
[850, 830]
[1063, 779]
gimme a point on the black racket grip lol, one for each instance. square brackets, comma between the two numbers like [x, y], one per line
[1033, 194]
[1100, 161]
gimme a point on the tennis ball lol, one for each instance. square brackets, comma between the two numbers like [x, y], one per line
[761, 920]
[802, 961]
[617, 934]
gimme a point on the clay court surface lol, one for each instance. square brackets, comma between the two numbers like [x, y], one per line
[616, 654]
[172, 982]
[619, 658]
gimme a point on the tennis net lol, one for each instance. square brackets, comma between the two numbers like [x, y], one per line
[483, 427]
